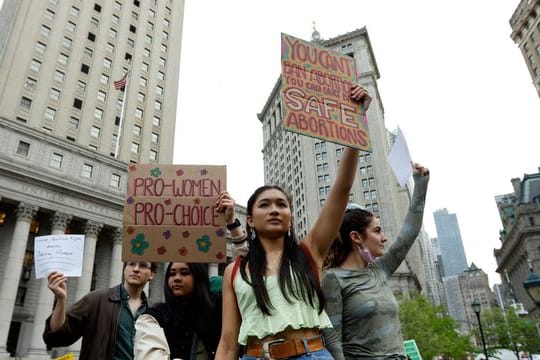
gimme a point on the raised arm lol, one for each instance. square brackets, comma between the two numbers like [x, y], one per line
[412, 223]
[228, 343]
[320, 237]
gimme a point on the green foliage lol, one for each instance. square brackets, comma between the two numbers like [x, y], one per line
[513, 332]
[434, 331]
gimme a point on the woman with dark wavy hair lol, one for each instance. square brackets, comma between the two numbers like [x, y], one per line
[275, 306]
[360, 301]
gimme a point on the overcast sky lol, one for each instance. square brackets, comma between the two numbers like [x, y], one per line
[451, 78]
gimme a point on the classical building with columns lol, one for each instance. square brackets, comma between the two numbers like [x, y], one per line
[68, 133]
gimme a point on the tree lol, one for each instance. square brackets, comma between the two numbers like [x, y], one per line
[433, 330]
[507, 330]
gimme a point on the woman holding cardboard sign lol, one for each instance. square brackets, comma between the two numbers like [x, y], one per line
[188, 324]
[274, 305]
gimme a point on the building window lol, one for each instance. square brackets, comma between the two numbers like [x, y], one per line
[26, 103]
[98, 114]
[107, 63]
[63, 59]
[159, 90]
[157, 105]
[85, 68]
[97, 8]
[163, 48]
[23, 148]
[91, 36]
[117, 6]
[49, 14]
[77, 103]
[59, 76]
[148, 39]
[150, 26]
[70, 27]
[112, 33]
[162, 61]
[110, 47]
[137, 130]
[131, 43]
[140, 97]
[94, 21]
[151, 13]
[153, 155]
[142, 81]
[104, 79]
[67, 42]
[144, 67]
[45, 30]
[138, 113]
[21, 295]
[30, 84]
[81, 86]
[87, 170]
[35, 65]
[56, 160]
[156, 121]
[40, 47]
[146, 52]
[73, 123]
[74, 11]
[101, 95]
[115, 19]
[155, 138]
[115, 180]
[136, 3]
[95, 131]
[165, 35]
[88, 53]
[132, 29]
[50, 114]
[166, 22]
[135, 148]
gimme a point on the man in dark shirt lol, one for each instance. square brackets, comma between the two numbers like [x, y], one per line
[105, 318]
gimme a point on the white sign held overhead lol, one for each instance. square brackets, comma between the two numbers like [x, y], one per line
[400, 159]
[63, 253]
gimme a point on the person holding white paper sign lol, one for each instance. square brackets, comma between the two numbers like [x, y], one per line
[358, 268]
[105, 318]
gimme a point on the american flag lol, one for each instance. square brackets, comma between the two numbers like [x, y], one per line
[121, 84]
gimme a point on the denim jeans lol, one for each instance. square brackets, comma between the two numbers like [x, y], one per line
[322, 354]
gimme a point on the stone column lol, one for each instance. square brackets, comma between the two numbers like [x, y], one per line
[91, 230]
[12, 274]
[115, 276]
[38, 349]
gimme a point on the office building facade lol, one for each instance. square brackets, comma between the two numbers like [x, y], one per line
[69, 127]
[525, 24]
[451, 247]
[306, 167]
[519, 253]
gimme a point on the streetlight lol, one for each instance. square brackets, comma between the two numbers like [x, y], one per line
[476, 307]
[532, 285]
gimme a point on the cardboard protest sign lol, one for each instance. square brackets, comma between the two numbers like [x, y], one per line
[170, 214]
[63, 253]
[315, 87]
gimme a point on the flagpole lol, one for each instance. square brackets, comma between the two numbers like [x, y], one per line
[120, 123]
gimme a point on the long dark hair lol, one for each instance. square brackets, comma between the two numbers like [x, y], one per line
[198, 313]
[355, 219]
[297, 277]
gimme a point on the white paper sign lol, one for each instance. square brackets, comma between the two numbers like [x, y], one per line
[62, 253]
[400, 159]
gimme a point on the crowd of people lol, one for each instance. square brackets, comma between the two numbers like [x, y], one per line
[326, 296]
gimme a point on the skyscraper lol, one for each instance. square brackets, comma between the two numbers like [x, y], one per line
[67, 134]
[525, 24]
[306, 167]
[453, 257]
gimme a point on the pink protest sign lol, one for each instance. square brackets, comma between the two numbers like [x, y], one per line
[315, 86]
[170, 214]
